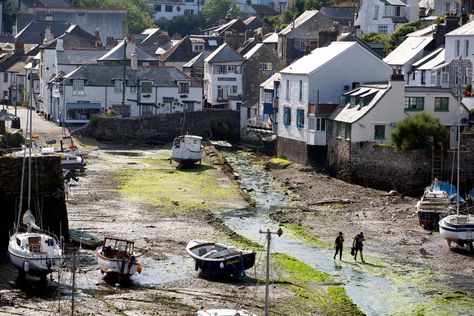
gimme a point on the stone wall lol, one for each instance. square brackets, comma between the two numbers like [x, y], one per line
[293, 150]
[47, 192]
[339, 158]
[214, 124]
[384, 168]
[466, 167]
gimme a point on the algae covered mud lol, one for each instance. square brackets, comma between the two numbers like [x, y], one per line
[385, 285]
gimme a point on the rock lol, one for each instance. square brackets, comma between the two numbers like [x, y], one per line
[393, 193]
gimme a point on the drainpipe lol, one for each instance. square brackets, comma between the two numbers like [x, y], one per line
[156, 99]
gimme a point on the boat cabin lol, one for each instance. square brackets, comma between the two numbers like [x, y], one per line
[190, 142]
[36, 243]
[117, 248]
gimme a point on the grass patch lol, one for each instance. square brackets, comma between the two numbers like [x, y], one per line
[279, 160]
[153, 181]
[306, 235]
[311, 294]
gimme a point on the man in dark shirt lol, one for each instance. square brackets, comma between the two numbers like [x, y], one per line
[339, 242]
[357, 243]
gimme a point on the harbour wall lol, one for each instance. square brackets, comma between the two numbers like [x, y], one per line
[47, 195]
[212, 124]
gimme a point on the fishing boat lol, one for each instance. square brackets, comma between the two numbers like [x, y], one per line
[187, 150]
[434, 204]
[215, 259]
[115, 257]
[32, 250]
[85, 238]
[72, 162]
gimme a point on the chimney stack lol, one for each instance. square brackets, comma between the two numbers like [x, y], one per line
[134, 60]
[60, 45]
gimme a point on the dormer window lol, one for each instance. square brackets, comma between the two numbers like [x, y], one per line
[197, 48]
[183, 87]
[78, 87]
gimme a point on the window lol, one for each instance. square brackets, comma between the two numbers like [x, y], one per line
[414, 103]
[442, 104]
[238, 106]
[233, 90]
[265, 66]
[379, 132]
[301, 89]
[147, 110]
[188, 12]
[168, 8]
[311, 123]
[183, 87]
[234, 69]
[220, 69]
[267, 97]
[466, 48]
[77, 87]
[347, 131]
[316, 124]
[197, 48]
[423, 77]
[376, 12]
[329, 133]
[118, 85]
[5, 77]
[300, 118]
[383, 29]
[287, 89]
[157, 7]
[457, 47]
[447, 7]
[146, 86]
[339, 129]
[287, 116]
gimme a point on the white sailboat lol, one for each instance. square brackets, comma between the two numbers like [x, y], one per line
[32, 251]
[187, 150]
[458, 227]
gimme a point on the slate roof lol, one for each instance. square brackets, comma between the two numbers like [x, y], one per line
[394, 2]
[102, 75]
[466, 29]
[74, 38]
[198, 61]
[78, 57]
[305, 16]
[408, 49]
[343, 15]
[318, 57]
[269, 84]
[254, 23]
[254, 49]
[348, 114]
[19, 66]
[46, 3]
[116, 53]
[247, 45]
[271, 38]
[262, 9]
[232, 24]
[224, 53]
[33, 33]
[431, 60]
[183, 50]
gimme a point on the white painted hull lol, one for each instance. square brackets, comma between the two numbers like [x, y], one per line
[35, 263]
[183, 155]
[122, 267]
[453, 230]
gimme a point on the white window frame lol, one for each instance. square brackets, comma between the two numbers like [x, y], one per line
[78, 87]
[118, 85]
[457, 48]
[382, 29]
[376, 12]
[265, 66]
[146, 87]
[466, 48]
[183, 87]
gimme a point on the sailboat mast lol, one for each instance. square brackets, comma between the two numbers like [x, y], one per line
[29, 133]
[459, 135]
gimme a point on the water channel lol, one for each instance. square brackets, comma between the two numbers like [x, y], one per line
[375, 295]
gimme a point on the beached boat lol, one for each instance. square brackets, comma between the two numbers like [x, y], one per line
[434, 205]
[116, 257]
[32, 250]
[458, 228]
[187, 150]
[84, 238]
[215, 259]
[72, 162]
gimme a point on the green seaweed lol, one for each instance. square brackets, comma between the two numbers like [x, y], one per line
[304, 234]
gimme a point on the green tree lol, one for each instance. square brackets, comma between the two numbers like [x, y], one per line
[385, 39]
[414, 131]
[400, 33]
[182, 25]
[214, 10]
[139, 12]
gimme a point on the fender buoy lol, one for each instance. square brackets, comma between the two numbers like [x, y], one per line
[26, 266]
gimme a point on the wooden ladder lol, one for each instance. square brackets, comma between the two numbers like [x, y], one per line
[437, 162]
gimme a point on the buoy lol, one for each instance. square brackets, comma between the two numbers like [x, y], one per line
[139, 268]
[221, 265]
[26, 266]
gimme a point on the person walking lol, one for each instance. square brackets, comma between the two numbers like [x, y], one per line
[338, 245]
[357, 244]
[66, 189]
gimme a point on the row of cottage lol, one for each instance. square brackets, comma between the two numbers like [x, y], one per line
[310, 83]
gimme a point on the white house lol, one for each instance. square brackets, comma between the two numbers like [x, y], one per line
[383, 16]
[223, 78]
[319, 79]
[440, 7]
[370, 112]
[168, 9]
[149, 90]
[414, 47]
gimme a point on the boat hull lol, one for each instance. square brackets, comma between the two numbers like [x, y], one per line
[232, 266]
[35, 263]
[85, 239]
[124, 267]
[454, 231]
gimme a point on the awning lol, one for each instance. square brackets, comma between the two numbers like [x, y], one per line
[83, 105]
[168, 99]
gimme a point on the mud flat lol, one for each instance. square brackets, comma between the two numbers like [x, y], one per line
[137, 194]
